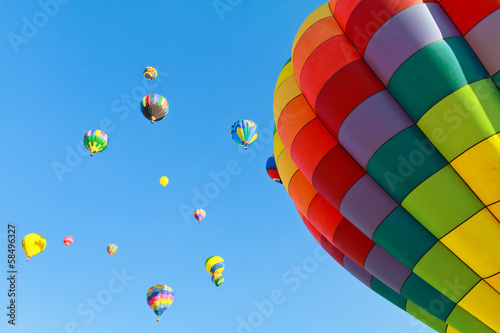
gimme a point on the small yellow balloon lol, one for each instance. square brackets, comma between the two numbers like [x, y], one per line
[33, 244]
[163, 181]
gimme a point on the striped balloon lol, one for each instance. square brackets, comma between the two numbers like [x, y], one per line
[214, 265]
[159, 298]
[244, 132]
[388, 142]
[217, 280]
[68, 240]
[95, 141]
[272, 170]
[199, 214]
[154, 107]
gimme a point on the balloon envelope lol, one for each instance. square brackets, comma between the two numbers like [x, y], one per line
[112, 249]
[214, 265]
[154, 107]
[33, 244]
[68, 240]
[163, 181]
[159, 298]
[95, 141]
[218, 279]
[244, 132]
[388, 142]
[150, 73]
[272, 169]
[199, 214]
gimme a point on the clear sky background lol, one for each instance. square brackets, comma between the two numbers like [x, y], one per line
[72, 66]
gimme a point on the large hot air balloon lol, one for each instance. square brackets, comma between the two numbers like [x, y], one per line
[150, 73]
[163, 181]
[68, 240]
[33, 244]
[159, 298]
[388, 143]
[244, 132]
[154, 107]
[272, 170]
[112, 249]
[199, 214]
[214, 265]
[218, 279]
[95, 141]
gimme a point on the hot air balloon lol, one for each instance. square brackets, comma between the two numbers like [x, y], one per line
[163, 181]
[199, 214]
[272, 170]
[68, 240]
[159, 298]
[33, 244]
[244, 132]
[218, 279]
[112, 249]
[214, 265]
[150, 73]
[389, 146]
[95, 141]
[154, 107]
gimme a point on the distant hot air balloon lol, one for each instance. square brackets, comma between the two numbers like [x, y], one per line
[163, 181]
[214, 265]
[150, 73]
[218, 279]
[95, 141]
[199, 214]
[33, 244]
[68, 240]
[244, 132]
[272, 170]
[159, 298]
[154, 107]
[112, 249]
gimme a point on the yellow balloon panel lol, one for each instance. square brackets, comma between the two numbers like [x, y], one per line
[484, 302]
[480, 168]
[475, 242]
[494, 281]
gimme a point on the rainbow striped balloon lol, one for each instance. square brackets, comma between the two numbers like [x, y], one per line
[112, 249]
[199, 214]
[159, 298]
[244, 132]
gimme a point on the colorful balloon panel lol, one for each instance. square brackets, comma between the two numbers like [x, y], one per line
[389, 112]
[33, 244]
[68, 240]
[154, 107]
[112, 248]
[150, 73]
[95, 141]
[244, 132]
[272, 170]
[214, 265]
[159, 298]
[199, 214]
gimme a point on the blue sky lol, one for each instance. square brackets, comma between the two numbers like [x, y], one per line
[72, 66]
